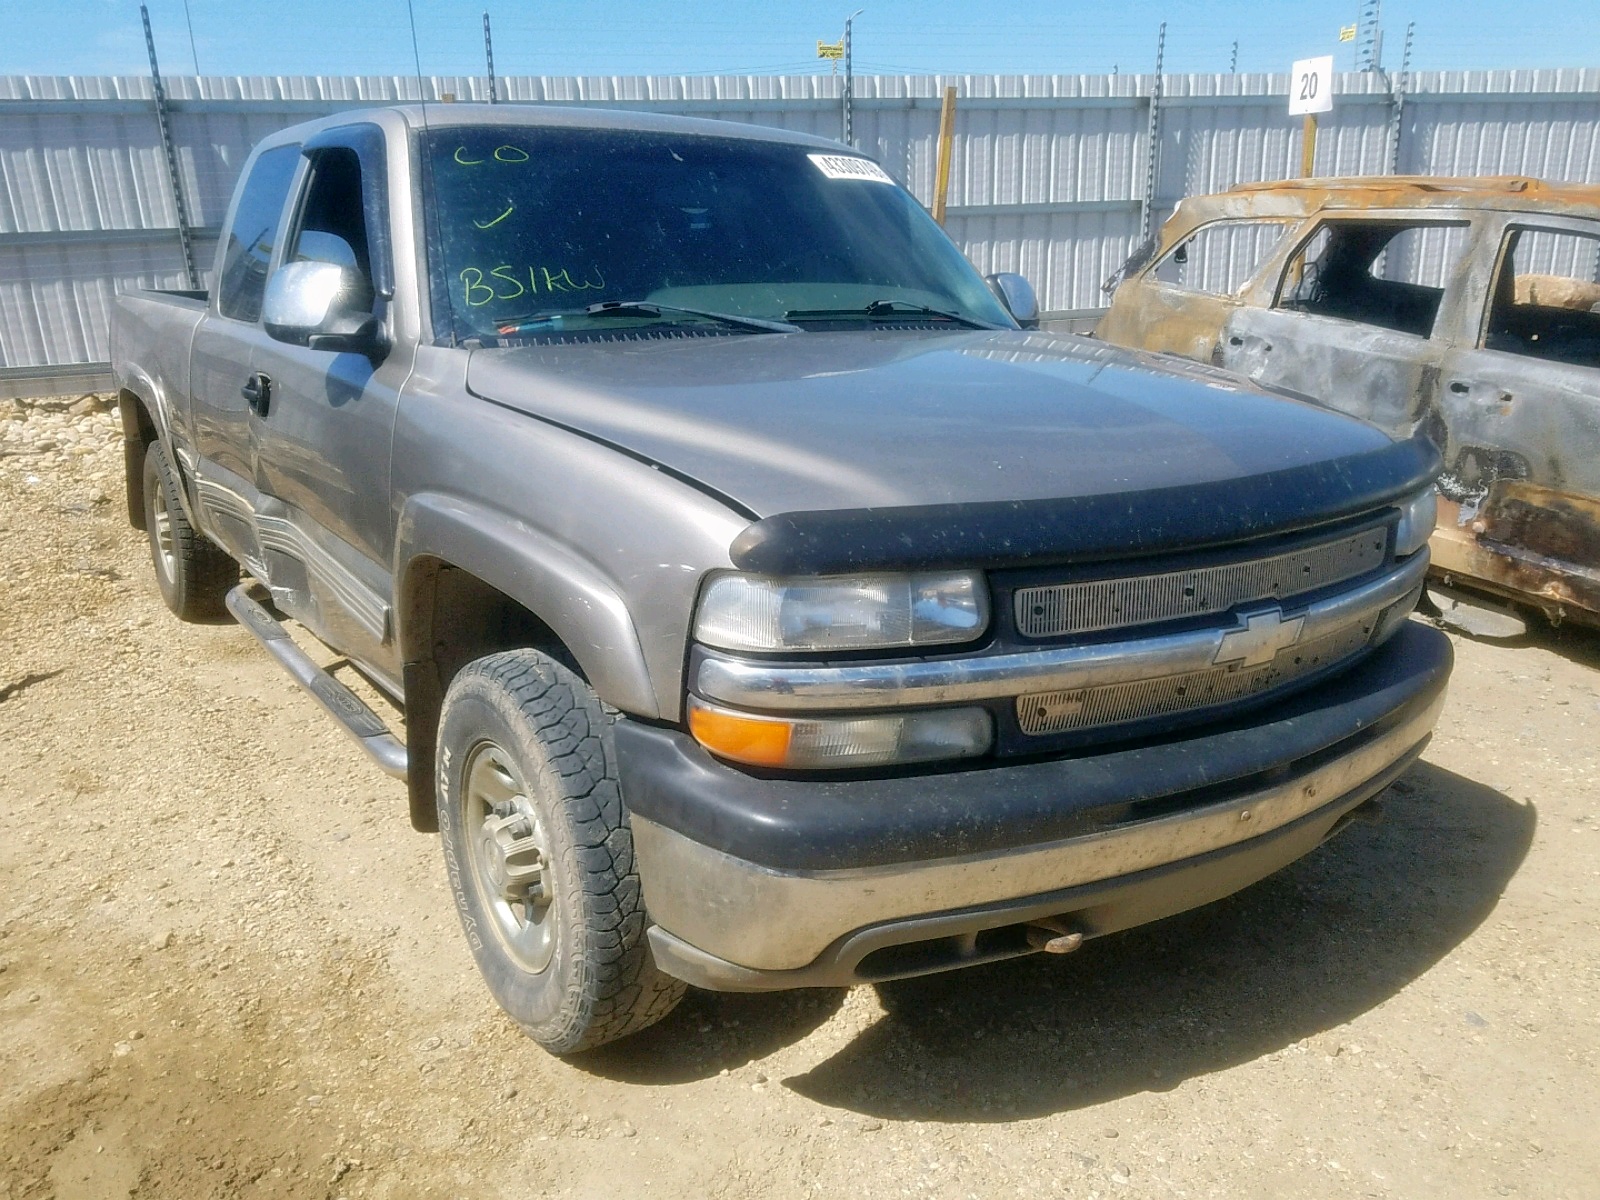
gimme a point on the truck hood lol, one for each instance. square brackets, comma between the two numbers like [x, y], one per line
[820, 421]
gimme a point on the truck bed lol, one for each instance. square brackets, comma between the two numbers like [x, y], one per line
[152, 331]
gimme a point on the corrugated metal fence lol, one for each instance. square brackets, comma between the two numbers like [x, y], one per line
[1048, 172]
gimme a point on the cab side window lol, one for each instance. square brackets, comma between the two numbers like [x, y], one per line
[1220, 258]
[1546, 298]
[243, 277]
[1389, 274]
[333, 224]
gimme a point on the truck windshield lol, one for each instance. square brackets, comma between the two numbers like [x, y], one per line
[535, 225]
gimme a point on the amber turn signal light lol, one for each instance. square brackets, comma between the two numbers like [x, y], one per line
[840, 742]
[760, 741]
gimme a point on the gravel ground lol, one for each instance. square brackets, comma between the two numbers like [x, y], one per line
[229, 968]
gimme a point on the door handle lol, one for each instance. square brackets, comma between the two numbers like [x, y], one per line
[257, 393]
[1460, 387]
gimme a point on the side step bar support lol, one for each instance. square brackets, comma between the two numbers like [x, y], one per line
[359, 721]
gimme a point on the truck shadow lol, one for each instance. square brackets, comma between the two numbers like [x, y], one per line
[1304, 951]
[711, 1032]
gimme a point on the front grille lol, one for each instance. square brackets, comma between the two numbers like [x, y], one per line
[1118, 703]
[1093, 605]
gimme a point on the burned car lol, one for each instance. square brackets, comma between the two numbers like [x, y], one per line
[1467, 309]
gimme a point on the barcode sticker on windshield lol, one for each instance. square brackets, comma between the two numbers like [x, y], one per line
[848, 166]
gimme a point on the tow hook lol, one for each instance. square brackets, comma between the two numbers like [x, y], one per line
[1053, 935]
[1369, 812]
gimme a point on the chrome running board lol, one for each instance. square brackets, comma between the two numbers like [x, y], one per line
[352, 713]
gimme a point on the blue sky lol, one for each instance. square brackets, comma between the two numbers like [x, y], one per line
[603, 37]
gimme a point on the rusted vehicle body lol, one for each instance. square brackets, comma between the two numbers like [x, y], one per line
[1465, 308]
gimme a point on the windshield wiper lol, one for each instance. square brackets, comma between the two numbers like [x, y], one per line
[885, 309]
[647, 308]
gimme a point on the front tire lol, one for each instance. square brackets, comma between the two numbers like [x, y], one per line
[540, 856]
[193, 574]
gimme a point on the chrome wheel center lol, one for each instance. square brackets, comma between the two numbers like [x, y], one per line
[511, 857]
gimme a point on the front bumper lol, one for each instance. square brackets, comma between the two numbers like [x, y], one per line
[762, 883]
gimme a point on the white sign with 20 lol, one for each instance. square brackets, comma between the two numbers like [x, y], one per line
[1311, 86]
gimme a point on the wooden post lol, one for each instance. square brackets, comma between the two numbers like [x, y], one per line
[947, 134]
[1308, 147]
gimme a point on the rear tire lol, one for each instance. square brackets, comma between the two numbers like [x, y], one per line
[193, 574]
[540, 856]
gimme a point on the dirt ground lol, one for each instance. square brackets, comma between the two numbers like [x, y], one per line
[229, 968]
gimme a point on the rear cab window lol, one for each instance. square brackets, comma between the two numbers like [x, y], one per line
[1390, 274]
[242, 280]
[1545, 303]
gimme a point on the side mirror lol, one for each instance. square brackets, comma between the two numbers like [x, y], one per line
[318, 305]
[1016, 293]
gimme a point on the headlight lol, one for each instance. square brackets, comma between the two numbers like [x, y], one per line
[840, 742]
[1418, 516]
[841, 612]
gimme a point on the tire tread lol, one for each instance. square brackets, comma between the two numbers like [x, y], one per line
[618, 984]
[202, 571]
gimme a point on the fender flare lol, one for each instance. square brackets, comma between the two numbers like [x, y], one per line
[136, 382]
[567, 592]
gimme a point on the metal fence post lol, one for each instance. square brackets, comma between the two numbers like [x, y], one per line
[848, 112]
[185, 236]
[1395, 126]
[488, 57]
[1153, 136]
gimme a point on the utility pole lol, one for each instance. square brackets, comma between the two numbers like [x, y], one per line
[185, 241]
[1233, 62]
[488, 57]
[849, 81]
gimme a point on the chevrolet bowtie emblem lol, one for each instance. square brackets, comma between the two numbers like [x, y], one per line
[1259, 639]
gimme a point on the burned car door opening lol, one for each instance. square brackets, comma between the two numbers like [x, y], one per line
[1373, 272]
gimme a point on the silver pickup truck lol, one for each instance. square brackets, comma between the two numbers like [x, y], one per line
[766, 606]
